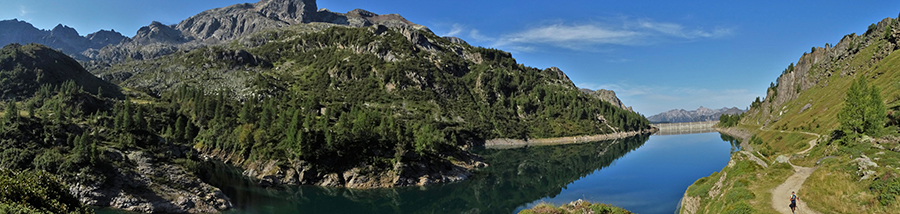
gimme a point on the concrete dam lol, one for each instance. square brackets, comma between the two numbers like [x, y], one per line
[685, 128]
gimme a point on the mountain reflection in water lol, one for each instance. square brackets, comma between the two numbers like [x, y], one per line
[515, 179]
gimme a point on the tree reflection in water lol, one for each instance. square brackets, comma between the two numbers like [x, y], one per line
[515, 177]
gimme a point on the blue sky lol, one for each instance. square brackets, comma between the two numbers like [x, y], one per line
[656, 55]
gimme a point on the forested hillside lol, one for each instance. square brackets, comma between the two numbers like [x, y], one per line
[372, 95]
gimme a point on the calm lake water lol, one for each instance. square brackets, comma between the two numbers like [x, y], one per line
[644, 174]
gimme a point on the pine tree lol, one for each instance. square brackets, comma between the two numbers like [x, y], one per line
[863, 111]
[246, 115]
[875, 113]
[30, 108]
[139, 122]
[12, 113]
[180, 125]
[188, 132]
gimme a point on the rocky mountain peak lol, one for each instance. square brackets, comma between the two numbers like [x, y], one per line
[103, 38]
[361, 13]
[608, 96]
[290, 11]
[158, 32]
[64, 31]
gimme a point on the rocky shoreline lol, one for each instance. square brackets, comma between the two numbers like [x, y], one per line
[504, 143]
[279, 172]
[152, 187]
[690, 205]
[741, 134]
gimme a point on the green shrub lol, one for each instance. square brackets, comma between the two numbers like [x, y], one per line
[36, 191]
[702, 186]
[886, 190]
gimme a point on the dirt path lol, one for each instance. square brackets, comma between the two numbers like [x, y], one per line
[781, 194]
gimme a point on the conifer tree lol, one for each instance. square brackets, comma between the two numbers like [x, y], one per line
[863, 111]
[180, 125]
[12, 113]
[188, 132]
[139, 122]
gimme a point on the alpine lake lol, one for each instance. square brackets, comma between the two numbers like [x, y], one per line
[643, 174]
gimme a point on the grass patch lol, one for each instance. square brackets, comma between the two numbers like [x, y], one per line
[701, 187]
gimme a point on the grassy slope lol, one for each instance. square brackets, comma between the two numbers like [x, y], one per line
[835, 186]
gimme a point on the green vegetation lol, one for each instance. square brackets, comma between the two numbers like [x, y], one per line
[36, 192]
[25, 68]
[340, 107]
[727, 120]
[863, 111]
[579, 206]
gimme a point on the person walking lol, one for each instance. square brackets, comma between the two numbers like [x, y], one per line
[793, 202]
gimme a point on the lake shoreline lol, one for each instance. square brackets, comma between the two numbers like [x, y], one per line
[506, 143]
[691, 205]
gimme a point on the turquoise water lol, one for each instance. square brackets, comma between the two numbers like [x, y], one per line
[644, 174]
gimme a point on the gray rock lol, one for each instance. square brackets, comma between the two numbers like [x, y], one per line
[607, 95]
[805, 107]
[865, 167]
[782, 159]
[151, 188]
[456, 40]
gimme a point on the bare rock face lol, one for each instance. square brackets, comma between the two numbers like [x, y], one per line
[103, 38]
[608, 96]
[209, 27]
[143, 189]
[158, 33]
[290, 11]
[561, 77]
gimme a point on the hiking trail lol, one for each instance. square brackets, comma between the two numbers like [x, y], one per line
[781, 194]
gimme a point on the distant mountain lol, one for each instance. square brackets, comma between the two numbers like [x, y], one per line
[209, 27]
[701, 114]
[25, 68]
[608, 96]
[60, 37]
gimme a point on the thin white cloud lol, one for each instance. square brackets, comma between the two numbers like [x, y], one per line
[650, 100]
[455, 30]
[570, 36]
[475, 34]
[23, 11]
[593, 36]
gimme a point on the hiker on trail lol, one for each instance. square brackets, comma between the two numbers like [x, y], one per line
[793, 201]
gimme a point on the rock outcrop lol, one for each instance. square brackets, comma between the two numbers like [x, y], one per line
[816, 67]
[151, 188]
[236, 21]
[608, 96]
[277, 173]
[209, 27]
[701, 114]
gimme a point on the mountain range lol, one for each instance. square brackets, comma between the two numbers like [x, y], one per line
[701, 114]
[206, 28]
